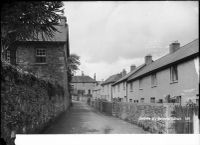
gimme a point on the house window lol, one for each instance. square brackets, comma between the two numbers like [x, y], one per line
[140, 84]
[153, 80]
[174, 74]
[130, 100]
[40, 55]
[124, 85]
[89, 91]
[142, 100]
[131, 87]
[136, 101]
[8, 56]
[152, 99]
[125, 98]
[160, 101]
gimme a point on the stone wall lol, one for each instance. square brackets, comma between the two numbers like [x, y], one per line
[55, 68]
[28, 104]
[152, 117]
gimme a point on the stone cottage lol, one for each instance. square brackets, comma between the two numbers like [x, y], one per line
[46, 58]
[82, 87]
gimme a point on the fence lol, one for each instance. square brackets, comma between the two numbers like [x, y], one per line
[155, 118]
[187, 118]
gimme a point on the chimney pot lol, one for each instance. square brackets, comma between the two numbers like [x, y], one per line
[174, 46]
[123, 72]
[132, 67]
[148, 59]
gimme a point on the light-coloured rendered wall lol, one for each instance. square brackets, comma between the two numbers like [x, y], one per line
[121, 93]
[84, 86]
[187, 86]
[106, 92]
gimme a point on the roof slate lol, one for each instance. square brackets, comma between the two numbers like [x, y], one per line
[183, 52]
[124, 78]
[112, 79]
[60, 36]
[82, 79]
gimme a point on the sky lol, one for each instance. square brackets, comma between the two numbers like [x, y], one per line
[112, 36]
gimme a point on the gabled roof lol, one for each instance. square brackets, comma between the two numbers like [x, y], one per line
[83, 79]
[124, 78]
[60, 36]
[112, 79]
[184, 53]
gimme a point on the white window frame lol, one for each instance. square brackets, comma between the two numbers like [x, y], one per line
[131, 87]
[173, 74]
[151, 100]
[140, 84]
[154, 82]
[40, 53]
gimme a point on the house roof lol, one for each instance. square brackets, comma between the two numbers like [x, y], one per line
[60, 36]
[182, 54]
[83, 79]
[124, 78]
[112, 79]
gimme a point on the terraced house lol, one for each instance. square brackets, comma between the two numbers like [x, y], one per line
[119, 88]
[171, 78]
[106, 92]
[82, 87]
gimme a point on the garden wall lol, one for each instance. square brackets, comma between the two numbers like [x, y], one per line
[155, 118]
[28, 104]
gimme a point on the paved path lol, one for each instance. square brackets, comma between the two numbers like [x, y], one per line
[82, 119]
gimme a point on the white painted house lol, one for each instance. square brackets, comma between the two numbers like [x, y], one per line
[106, 92]
[119, 88]
[171, 78]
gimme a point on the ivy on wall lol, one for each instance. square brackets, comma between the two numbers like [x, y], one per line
[27, 103]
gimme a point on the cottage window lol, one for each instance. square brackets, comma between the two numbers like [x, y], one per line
[40, 55]
[153, 80]
[152, 100]
[131, 87]
[174, 74]
[160, 101]
[124, 85]
[142, 100]
[140, 84]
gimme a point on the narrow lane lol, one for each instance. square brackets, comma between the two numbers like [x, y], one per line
[82, 119]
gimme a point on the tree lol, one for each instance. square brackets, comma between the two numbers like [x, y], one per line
[26, 20]
[73, 63]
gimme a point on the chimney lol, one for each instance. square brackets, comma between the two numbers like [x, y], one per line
[123, 72]
[82, 73]
[174, 46]
[132, 67]
[148, 59]
[95, 76]
[63, 20]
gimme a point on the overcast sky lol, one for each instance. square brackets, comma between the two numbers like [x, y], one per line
[111, 36]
